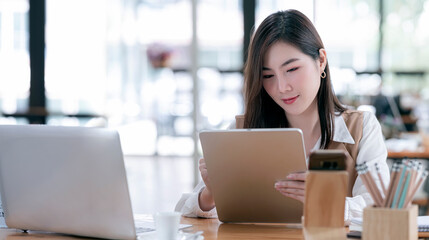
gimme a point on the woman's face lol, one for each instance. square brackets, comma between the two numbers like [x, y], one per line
[292, 78]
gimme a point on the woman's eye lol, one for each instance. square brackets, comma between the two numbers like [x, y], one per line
[268, 76]
[292, 69]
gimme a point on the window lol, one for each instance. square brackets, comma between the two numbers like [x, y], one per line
[75, 75]
[20, 22]
[14, 59]
[405, 50]
[0, 32]
[265, 8]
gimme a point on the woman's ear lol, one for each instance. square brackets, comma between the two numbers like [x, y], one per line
[322, 60]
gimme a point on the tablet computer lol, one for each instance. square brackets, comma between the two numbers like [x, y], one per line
[243, 166]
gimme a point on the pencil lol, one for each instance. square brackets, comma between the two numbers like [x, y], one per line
[417, 186]
[404, 191]
[393, 182]
[402, 186]
[415, 169]
[419, 171]
[381, 180]
[370, 181]
[399, 186]
[359, 169]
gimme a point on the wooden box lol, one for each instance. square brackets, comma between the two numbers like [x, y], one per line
[388, 223]
[325, 197]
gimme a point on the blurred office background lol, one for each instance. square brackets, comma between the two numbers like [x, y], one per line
[159, 71]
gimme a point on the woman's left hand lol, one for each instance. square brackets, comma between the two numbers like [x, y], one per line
[293, 186]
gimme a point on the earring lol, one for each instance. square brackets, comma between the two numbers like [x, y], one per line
[323, 75]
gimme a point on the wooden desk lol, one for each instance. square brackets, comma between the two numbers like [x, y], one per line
[212, 228]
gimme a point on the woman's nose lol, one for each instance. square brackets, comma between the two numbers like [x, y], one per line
[283, 84]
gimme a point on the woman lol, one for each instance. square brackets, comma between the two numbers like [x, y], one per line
[288, 84]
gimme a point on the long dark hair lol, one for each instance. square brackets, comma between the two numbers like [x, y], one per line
[261, 111]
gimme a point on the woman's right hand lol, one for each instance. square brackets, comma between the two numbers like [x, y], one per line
[205, 199]
[204, 174]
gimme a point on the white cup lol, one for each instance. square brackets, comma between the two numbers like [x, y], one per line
[167, 225]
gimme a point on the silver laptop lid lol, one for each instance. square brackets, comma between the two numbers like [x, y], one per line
[65, 179]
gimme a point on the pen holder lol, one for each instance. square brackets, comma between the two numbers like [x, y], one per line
[325, 197]
[388, 223]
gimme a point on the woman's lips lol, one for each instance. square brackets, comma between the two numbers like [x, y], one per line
[290, 100]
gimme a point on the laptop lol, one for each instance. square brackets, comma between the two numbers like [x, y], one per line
[243, 166]
[68, 180]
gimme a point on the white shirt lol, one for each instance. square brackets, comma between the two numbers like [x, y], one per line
[371, 150]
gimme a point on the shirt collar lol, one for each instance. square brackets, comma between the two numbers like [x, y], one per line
[341, 132]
